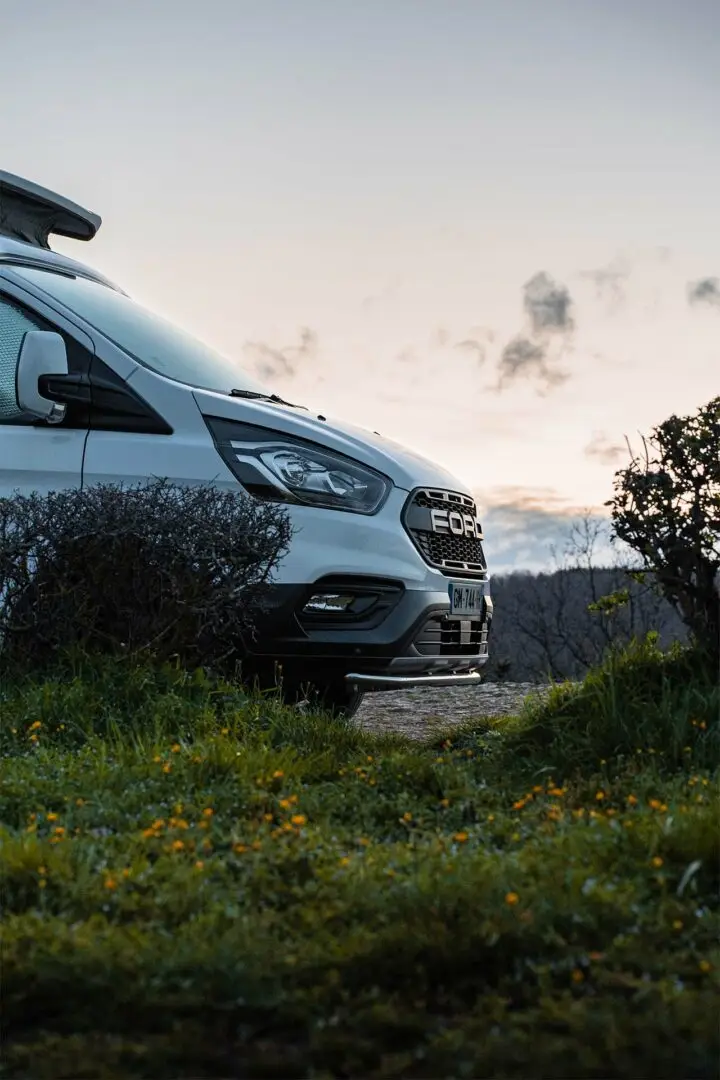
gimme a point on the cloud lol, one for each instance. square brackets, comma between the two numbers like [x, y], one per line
[270, 362]
[534, 540]
[605, 451]
[548, 305]
[477, 340]
[548, 308]
[704, 291]
[609, 281]
[471, 345]
[523, 527]
[516, 497]
[522, 359]
[439, 338]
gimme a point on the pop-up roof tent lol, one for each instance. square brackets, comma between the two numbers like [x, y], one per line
[32, 214]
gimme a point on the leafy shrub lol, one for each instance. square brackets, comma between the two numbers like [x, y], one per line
[161, 569]
[667, 508]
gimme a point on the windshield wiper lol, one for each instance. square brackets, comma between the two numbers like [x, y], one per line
[257, 395]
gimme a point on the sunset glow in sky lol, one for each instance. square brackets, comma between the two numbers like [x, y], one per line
[489, 231]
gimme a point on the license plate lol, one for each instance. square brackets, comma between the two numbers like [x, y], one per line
[466, 599]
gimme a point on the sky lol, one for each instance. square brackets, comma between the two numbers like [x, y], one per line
[490, 231]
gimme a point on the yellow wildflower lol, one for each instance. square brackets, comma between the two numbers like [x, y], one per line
[577, 976]
[52, 817]
[705, 966]
[35, 726]
[677, 924]
[656, 861]
[298, 819]
[178, 845]
[110, 883]
[208, 812]
[167, 768]
[511, 898]
[460, 837]
[599, 795]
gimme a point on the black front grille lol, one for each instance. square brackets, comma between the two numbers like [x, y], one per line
[450, 552]
[441, 636]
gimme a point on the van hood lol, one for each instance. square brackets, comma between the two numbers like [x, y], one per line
[405, 468]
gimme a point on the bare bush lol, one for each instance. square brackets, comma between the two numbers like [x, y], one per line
[559, 624]
[161, 569]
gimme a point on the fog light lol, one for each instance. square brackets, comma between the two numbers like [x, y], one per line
[330, 603]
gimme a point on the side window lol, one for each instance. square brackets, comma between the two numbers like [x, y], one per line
[14, 324]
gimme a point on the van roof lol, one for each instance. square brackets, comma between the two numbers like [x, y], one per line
[32, 214]
[29, 215]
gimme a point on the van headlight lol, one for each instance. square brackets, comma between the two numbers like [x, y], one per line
[287, 471]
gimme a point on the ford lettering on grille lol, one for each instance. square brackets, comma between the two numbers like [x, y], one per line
[444, 527]
[445, 521]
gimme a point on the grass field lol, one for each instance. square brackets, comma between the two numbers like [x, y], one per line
[196, 883]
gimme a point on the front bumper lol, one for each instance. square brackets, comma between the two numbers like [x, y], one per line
[401, 638]
[355, 681]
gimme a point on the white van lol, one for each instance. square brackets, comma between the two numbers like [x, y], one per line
[385, 585]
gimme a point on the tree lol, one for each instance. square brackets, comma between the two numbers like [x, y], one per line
[666, 507]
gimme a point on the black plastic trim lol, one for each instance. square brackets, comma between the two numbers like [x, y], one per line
[328, 653]
[107, 402]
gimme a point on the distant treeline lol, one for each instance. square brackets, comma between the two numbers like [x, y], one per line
[542, 627]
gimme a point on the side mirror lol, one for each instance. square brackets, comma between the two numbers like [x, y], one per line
[42, 353]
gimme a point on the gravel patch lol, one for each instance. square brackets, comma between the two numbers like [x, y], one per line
[417, 713]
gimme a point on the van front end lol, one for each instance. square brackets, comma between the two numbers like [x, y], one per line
[390, 595]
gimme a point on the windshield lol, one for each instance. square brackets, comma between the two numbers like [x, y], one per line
[148, 338]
